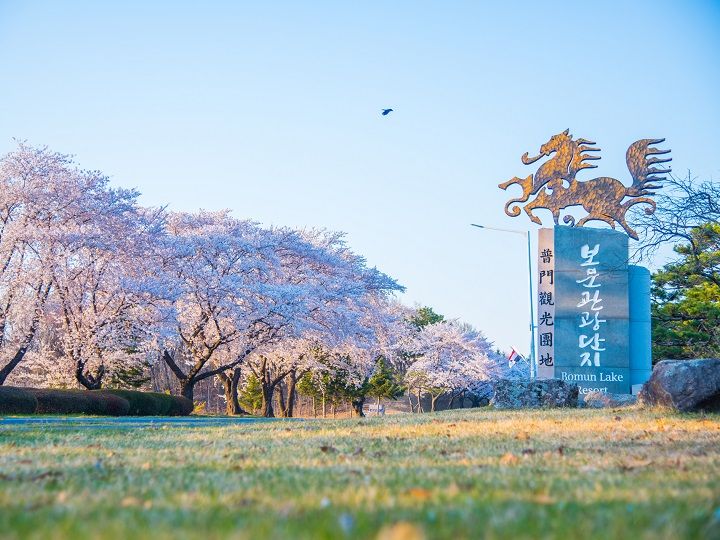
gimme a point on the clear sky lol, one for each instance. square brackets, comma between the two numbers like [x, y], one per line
[272, 109]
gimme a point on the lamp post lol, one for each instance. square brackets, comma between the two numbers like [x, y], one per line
[533, 367]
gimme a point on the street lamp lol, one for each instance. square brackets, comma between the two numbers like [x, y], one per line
[533, 368]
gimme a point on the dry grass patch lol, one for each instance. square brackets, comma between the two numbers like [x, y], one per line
[459, 474]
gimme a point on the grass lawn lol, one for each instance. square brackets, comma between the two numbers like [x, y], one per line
[459, 474]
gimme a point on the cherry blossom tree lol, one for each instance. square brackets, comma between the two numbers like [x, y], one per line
[91, 284]
[387, 335]
[341, 296]
[28, 210]
[240, 287]
[103, 292]
[346, 362]
[451, 359]
[344, 369]
[223, 297]
[48, 207]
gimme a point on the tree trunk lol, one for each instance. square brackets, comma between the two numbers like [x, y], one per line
[412, 407]
[89, 380]
[419, 402]
[314, 407]
[433, 400]
[25, 343]
[227, 390]
[235, 379]
[267, 401]
[268, 384]
[291, 394]
[230, 386]
[282, 401]
[187, 386]
[16, 359]
[357, 406]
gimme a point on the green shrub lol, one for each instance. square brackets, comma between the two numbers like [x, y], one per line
[141, 403]
[173, 405]
[54, 401]
[17, 401]
[153, 403]
[110, 405]
[165, 403]
[183, 406]
[179, 405]
[106, 402]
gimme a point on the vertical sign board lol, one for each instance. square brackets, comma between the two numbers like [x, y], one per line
[546, 304]
[590, 315]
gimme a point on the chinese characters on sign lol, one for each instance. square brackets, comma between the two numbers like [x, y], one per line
[546, 304]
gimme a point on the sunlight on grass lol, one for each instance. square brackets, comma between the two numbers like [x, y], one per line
[458, 474]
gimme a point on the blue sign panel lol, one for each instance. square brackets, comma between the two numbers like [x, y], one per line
[591, 315]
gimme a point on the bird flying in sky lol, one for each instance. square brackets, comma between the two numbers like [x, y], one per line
[385, 112]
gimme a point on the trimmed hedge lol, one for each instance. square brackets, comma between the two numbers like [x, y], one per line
[174, 405]
[55, 401]
[111, 406]
[52, 401]
[152, 403]
[141, 403]
[17, 401]
[106, 402]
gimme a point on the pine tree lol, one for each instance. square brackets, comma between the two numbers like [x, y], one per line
[425, 316]
[132, 377]
[251, 396]
[382, 383]
[686, 299]
[309, 386]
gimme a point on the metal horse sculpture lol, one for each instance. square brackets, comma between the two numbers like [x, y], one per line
[603, 198]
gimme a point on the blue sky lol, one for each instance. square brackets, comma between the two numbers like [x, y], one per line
[272, 109]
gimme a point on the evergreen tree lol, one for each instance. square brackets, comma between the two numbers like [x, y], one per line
[251, 396]
[309, 386]
[425, 316]
[132, 376]
[382, 383]
[342, 389]
[686, 299]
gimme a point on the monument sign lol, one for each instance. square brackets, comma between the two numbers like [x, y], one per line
[584, 285]
[582, 335]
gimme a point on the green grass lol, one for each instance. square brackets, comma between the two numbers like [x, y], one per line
[461, 474]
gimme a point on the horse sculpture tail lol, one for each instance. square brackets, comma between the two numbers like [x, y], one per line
[640, 161]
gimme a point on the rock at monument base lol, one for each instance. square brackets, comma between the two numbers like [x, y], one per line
[529, 394]
[685, 385]
[601, 400]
